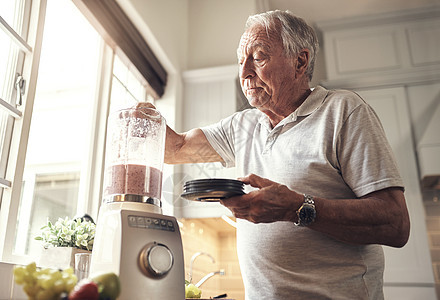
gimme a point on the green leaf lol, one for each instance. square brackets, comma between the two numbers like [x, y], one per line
[68, 233]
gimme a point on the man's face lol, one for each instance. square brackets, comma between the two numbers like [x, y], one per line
[267, 76]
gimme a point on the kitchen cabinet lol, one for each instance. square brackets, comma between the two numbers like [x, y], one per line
[384, 57]
[410, 265]
[382, 50]
[209, 96]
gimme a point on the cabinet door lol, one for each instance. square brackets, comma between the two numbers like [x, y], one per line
[209, 96]
[412, 263]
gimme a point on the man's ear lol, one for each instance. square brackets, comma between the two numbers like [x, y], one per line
[302, 61]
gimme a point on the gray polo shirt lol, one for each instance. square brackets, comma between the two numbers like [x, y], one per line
[333, 146]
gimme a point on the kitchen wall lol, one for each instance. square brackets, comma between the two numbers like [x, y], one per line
[215, 28]
[216, 237]
[164, 25]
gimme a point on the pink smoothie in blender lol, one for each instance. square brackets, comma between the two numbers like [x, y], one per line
[135, 180]
[135, 153]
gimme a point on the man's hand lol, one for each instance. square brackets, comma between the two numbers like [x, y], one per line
[187, 147]
[141, 105]
[270, 203]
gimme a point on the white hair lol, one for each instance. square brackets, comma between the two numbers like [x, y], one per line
[295, 33]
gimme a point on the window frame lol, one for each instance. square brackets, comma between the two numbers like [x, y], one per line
[10, 197]
[93, 171]
[90, 189]
[13, 111]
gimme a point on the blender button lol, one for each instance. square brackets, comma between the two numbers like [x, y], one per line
[163, 223]
[132, 221]
[170, 224]
[148, 223]
[140, 221]
[156, 221]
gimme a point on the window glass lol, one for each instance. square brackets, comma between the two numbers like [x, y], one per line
[5, 122]
[8, 61]
[12, 12]
[60, 133]
[50, 195]
[126, 88]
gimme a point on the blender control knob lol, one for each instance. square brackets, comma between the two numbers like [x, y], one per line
[156, 260]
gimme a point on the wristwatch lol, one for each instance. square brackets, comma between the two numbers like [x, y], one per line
[306, 213]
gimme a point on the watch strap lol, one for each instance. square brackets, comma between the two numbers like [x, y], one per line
[309, 199]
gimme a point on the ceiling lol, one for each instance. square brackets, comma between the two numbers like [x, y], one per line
[323, 10]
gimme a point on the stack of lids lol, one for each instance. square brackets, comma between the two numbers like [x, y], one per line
[212, 189]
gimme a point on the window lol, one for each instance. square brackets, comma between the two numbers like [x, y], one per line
[59, 135]
[53, 136]
[12, 51]
[44, 195]
[20, 37]
[126, 89]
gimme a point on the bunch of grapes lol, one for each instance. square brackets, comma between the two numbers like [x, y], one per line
[191, 291]
[44, 283]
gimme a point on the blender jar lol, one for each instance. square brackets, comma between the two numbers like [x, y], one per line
[134, 156]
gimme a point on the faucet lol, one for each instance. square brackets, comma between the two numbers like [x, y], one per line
[220, 272]
[193, 258]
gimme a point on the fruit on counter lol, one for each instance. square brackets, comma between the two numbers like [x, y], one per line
[85, 289]
[191, 291]
[44, 283]
[109, 285]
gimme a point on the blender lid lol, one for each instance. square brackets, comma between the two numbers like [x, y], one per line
[219, 181]
[212, 189]
[210, 195]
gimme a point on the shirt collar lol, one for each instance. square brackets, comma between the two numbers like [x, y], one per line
[311, 104]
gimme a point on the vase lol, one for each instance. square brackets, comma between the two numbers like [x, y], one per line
[59, 257]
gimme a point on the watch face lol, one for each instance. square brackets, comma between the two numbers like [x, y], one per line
[307, 214]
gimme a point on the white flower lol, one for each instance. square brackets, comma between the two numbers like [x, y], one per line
[68, 233]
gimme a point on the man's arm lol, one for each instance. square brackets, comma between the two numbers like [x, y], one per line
[189, 147]
[380, 217]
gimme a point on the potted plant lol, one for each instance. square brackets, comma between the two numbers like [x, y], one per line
[63, 239]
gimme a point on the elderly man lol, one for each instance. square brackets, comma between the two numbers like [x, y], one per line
[326, 192]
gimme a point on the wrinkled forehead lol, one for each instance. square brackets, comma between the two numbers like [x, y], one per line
[257, 37]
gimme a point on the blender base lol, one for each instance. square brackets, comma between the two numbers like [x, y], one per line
[143, 247]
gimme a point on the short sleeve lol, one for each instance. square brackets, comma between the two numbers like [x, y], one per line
[221, 137]
[366, 159]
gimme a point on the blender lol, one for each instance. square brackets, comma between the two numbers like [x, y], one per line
[133, 238]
